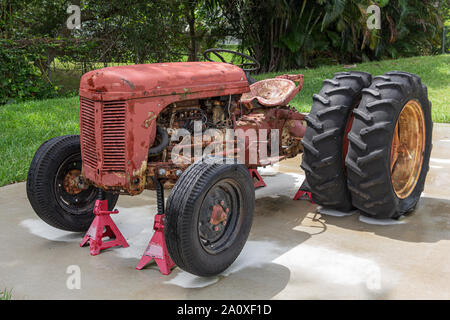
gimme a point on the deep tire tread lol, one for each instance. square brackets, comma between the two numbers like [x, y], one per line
[40, 182]
[180, 213]
[368, 158]
[323, 150]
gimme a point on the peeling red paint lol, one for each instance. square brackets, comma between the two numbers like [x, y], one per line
[274, 92]
[137, 95]
[149, 89]
[160, 79]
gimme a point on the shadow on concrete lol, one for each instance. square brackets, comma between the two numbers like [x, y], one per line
[253, 275]
[429, 223]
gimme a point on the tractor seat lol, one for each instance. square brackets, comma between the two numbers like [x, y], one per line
[272, 92]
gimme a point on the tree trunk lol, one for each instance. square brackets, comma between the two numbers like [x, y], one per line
[193, 41]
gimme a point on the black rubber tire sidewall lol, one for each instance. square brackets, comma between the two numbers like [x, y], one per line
[323, 160]
[183, 212]
[41, 187]
[380, 200]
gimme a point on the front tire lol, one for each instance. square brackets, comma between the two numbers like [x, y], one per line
[390, 146]
[209, 216]
[50, 188]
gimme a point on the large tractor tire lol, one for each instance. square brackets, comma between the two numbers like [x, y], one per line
[51, 190]
[208, 217]
[325, 143]
[390, 146]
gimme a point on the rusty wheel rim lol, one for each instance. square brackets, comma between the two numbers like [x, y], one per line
[69, 194]
[219, 217]
[408, 145]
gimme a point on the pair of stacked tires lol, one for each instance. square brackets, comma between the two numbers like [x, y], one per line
[348, 144]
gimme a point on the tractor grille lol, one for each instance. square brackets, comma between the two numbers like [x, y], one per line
[114, 136]
[87, 112]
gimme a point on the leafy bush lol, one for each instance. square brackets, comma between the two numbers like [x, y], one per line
[289, 34]
[19, 77]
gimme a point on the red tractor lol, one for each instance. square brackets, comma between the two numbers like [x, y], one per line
[366, 144]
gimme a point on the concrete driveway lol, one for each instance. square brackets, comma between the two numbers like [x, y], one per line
[293, 251]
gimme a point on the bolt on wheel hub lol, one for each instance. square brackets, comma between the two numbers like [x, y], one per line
[217, 219]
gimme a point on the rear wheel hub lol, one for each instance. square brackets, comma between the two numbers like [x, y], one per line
[408, 145]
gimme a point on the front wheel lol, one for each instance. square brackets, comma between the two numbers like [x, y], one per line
[56, 190]
[209, 215]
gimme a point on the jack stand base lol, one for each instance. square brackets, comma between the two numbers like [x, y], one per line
[300, 194]
[157, 249]
[95, 234]
[259, 180]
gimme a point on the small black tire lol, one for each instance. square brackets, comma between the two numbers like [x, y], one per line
[323, 143]
[190, 200]
[47, 197]
[369, 157]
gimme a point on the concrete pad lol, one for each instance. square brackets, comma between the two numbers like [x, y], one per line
[293, 252]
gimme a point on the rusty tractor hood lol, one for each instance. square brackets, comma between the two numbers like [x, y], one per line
[162, 79]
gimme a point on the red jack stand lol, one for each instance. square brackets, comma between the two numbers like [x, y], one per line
[157, 249]
[259, 180]
[95, 233]
[300, 194]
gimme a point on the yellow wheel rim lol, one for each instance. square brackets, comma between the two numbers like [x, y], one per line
[408, 145]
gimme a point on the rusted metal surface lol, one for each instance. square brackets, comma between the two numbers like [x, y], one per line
[219, 214]
[72, 183]
[274, 92]
[289, 123]
[145, 90]
[180, 79]
[120, 108]
[408, 145]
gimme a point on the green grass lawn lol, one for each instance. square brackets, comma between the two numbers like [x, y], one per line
[6, 294]
[24, 126]
[433, 70]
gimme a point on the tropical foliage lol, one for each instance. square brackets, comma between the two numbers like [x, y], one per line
[281, 34]
[289, 34]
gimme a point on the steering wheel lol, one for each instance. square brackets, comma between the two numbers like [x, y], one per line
[252, 65]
